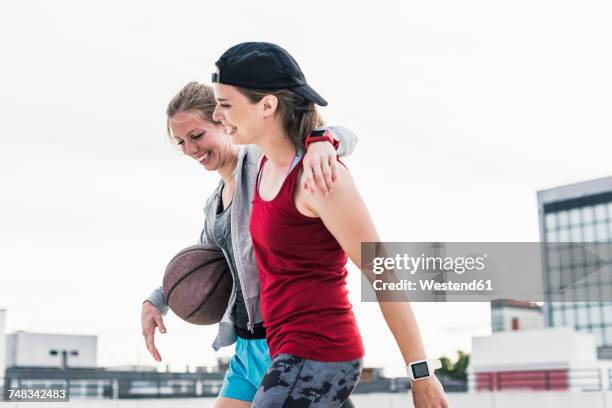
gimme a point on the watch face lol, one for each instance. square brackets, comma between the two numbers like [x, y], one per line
[420, 370]
[316, 133]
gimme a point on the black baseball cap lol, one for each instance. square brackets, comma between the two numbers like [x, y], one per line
[262, 65]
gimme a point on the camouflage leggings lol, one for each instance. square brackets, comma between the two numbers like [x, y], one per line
[295, 382]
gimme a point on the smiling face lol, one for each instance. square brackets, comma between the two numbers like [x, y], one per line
[200, 139]
[244, 120]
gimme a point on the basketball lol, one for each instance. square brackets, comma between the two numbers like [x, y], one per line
[197, 284]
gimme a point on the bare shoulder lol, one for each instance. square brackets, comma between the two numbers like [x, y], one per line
[343, 182]
[311, 204]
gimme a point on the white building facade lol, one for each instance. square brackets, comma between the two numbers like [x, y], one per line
[25, 349]
[551, 358]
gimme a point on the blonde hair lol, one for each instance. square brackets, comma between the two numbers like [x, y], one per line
[194, 97]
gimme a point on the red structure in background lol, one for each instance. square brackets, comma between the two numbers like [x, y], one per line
[533, 380]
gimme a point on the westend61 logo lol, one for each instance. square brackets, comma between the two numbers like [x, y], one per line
[430, 270]
[485, 271]
[422, 263]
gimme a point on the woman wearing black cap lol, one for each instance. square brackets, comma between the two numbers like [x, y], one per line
[227, 210]
[301, 240]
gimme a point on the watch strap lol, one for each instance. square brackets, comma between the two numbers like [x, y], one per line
[325, 137]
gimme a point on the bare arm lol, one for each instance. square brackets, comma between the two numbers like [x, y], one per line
[351, 228]
[345, 215]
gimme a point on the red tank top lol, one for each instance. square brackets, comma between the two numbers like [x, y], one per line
[304, 300]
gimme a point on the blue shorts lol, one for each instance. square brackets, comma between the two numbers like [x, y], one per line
[246, 369]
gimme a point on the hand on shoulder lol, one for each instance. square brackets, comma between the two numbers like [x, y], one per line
[315, 204]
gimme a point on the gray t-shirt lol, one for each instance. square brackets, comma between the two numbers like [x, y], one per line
[222, 235]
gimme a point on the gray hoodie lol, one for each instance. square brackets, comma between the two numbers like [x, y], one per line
[245, 174]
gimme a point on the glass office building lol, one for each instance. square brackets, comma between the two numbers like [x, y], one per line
[579, 212]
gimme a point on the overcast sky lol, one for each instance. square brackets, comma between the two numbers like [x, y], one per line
[464, 110]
